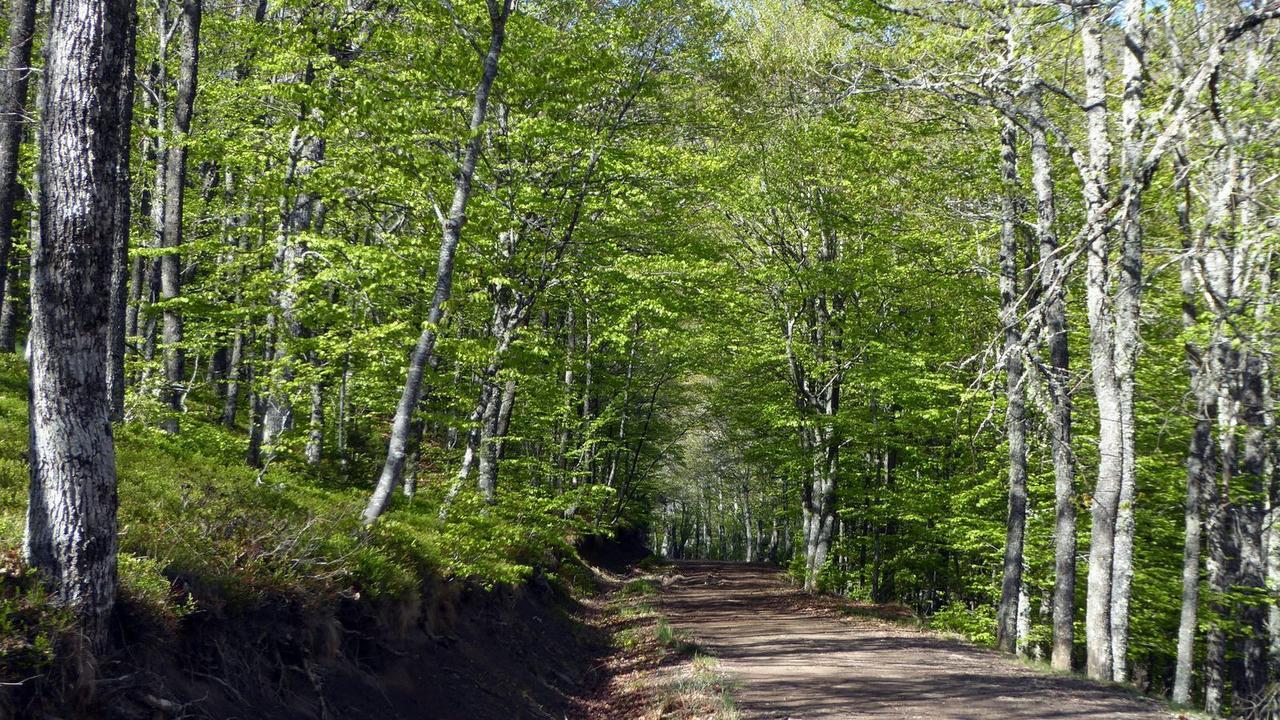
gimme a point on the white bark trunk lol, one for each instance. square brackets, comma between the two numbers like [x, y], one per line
[71, 517]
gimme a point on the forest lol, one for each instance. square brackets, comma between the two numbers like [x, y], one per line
[961, 306]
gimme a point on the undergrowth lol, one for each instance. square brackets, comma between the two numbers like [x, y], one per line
[200, 531]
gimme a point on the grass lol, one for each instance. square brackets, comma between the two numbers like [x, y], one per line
[675, 640]
[639, 588]
[698, 688]
[200, 531]
[683, 681]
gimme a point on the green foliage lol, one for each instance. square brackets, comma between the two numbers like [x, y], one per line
[978, 624]
[31, 631]
[705, 214]
[639, 588]
[146, 589]
[665, 634]
[200, 532]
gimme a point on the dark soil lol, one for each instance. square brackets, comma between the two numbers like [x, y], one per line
[455, 653]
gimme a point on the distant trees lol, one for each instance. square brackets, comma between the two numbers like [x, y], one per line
[1124, 146]
[171, 169]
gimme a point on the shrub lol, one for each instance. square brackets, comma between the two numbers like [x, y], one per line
[31, 630]
[976, 623]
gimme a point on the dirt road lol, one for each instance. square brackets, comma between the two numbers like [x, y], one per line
[792, 660]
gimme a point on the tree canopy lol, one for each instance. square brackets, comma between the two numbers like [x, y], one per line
[964, 306]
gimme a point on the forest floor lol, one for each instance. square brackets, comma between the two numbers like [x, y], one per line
[791, 656]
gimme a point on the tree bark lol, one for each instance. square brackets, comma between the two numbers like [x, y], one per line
[11, 310]
[393, 467]
[1106, 496]
[487, 449]
[493, 432]
[257, 407]
[475, 422]
[1249, 679]
[175, 178]
[13, 105]
[1015, 393]
[231, 402]
[1127, 318]
[1213, 256]
[1215, 642]
[1053, 291]
[1201, 454]
[71, 518]
[154, 200]
[296, 215]
[315, 425]
[118, 294]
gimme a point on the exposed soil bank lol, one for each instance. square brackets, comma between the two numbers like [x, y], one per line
[454, 653]
[792, 658]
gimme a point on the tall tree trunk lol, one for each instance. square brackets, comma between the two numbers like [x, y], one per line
[341, 431]
[231, 401]
[1015, 392]
[568, 384]
[1213, 255]
[475, 422]
[1253, 489]
[1201, 454]
[13, 105]
[819, 501]
[1127, 318]
[16, 305]
[175, 179]
[1249, 679]
[1216, 575]
[1053, 291]
[507, 318]
[504, 415]
[393, 467]
[158, 79]
[257, 404]
[493, 432]
[117, 303]
[1106, 496]
[137, 277]
[71, 518]
[487, 449]
[296, 216]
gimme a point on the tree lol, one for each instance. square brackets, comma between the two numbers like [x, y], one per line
[1011, 306]
[451, 226]
[71, 518]
[173, 166]
[13, 105]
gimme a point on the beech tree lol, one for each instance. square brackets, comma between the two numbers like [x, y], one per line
[171, 168]
[71, 518]
[451, 225]
[13, 105]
